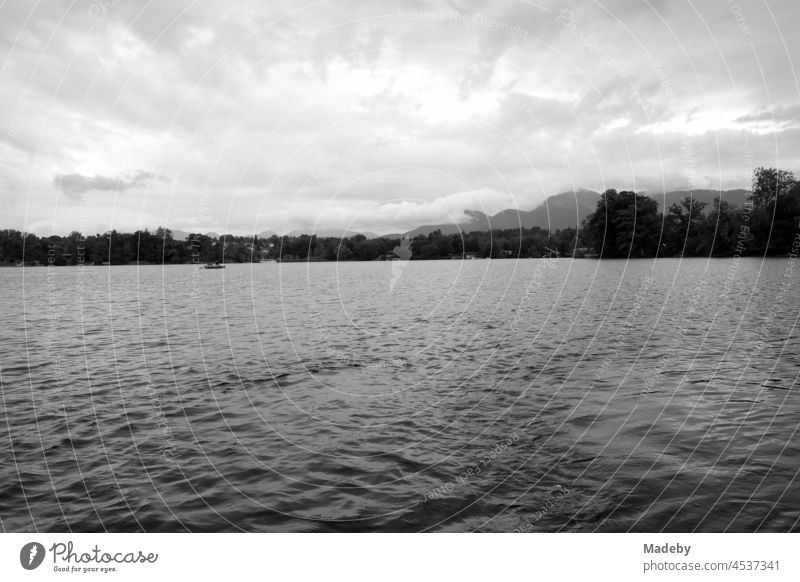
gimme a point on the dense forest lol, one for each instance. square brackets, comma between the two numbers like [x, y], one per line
[625, 224]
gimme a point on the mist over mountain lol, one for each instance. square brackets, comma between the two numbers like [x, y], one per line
[564, 210]
[560, 211]
[557, 212]
[568, 210]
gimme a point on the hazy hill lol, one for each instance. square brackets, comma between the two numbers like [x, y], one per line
[477, 221]
[560, 211]
[179, 234]
[568, 209]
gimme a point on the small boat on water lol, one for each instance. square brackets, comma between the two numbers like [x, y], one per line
[214, 266]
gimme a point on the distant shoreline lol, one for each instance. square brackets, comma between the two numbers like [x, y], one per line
[295, 262]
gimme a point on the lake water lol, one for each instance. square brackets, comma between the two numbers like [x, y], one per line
[533, 395]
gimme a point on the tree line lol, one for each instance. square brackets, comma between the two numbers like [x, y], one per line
[160, 247]
[624, 224]
[627, 224]
[120, 248]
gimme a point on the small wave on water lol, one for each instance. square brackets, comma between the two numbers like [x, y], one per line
[411, 408]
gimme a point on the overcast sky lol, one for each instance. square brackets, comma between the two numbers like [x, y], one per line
[379, 116]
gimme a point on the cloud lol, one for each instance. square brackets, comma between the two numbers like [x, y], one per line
[778, 119]
[398, 215]
[379, 111]
[73, 185]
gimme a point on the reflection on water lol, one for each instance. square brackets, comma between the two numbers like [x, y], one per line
[456, 396]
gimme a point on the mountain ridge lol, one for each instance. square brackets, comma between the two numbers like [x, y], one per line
[563, 210]
[568, 210]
